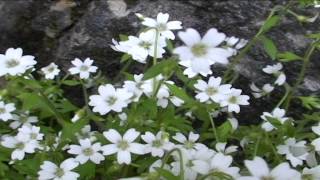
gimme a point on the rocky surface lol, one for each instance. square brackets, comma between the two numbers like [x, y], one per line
[61, 30]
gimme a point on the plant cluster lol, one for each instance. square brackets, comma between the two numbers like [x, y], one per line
[174, 120]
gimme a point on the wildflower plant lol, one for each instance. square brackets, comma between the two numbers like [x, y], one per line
[176, 119]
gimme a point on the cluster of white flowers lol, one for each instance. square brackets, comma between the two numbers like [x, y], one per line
[223, 94]
[274, 70]
[151, 42]
[188, 156]
[277, 114]
[26, 141]
[115, 99]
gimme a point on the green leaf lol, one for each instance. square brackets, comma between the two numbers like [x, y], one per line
[179, 92]
[71, 82]
[125, 57]
[70, 129]
[288, 57]
[314, 36]
[166, 174]
[87, 170]
[269, 47]
[310, 102]
[163, 67]
[30, 83]
[270, 23]
[123, 37]
[32, 101]
[224, 131]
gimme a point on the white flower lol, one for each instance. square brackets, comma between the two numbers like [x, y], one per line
[213, 90]
[22, 119]
[259, 170]
[157, 144]
[276, 71]
[123, 118]
[78, 115]
[30, 132]
[86, 133]
[5, 111]
[316, 142]
[234, 123]
[200, 53]
[123, 146]
[295, 152]
[281, 79]
[278, 114]
[14, 63]
[83, 68]
[311, 174]
[135, 87]
[162, 25]
[157, 164]
[234, 99]
[87, 151]
[20, 144]
[257, 92]
[50, 71]
[222, 163]
[194, 163]
[235, 44]
[110, 99]
[316, 4]
[222, 148]
[142, 47]
[163, 95]
[190, 143]
[51, 171]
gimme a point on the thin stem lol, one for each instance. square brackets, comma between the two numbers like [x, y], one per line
[166, 158]
[214, 129]
[155, 83]
[155, 54]
[288, 89]
[218, 174]
[257, 146]
[306, 61]
[273, 148]
[244, 51]
[124, 68]
[86, 97]
[51, 106]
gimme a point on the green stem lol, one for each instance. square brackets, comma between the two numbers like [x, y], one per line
[124, 68]
[219, 175]
[276, 155]
[166, 158]
[86, 97]
[244, 51]
[257, 146]
[51, 106]
[288, 89]
[214, 129]
[306, 61]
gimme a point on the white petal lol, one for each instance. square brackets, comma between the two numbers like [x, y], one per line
[112, 135]
[257, 167]
[131, 135]
[109, 149]
[124, 157]
[213, 38]
[69, 164]
[190, 37]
